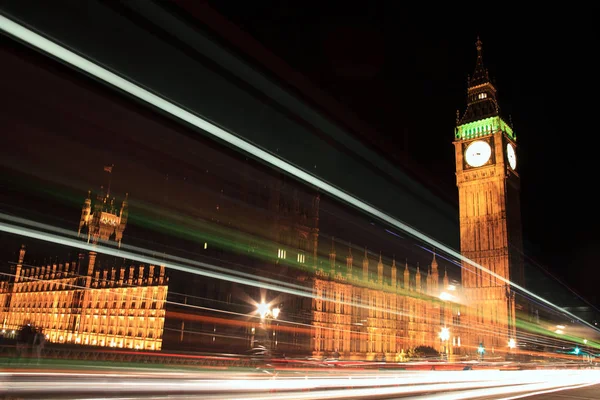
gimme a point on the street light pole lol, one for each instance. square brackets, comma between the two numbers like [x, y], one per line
[512, 344]
[266, 316]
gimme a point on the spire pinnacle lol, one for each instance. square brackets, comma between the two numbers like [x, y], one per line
[480, 75]
[481, 93]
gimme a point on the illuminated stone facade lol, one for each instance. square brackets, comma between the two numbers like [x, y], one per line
[490, 221]
[81, 302]
[372, 315]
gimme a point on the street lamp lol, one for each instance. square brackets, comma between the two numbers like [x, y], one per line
[512, 344]
[263, 309]
[268, 314]
[481, 351]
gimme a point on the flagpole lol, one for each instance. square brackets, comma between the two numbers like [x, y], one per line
[109, 170]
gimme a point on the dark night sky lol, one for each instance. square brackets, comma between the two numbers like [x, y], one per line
[404, 73]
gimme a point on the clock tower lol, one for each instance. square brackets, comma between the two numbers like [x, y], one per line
[490, 216]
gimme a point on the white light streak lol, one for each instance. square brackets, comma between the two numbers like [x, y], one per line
[36, 40]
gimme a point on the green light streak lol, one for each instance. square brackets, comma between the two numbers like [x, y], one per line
[209, 271]
[28, 36]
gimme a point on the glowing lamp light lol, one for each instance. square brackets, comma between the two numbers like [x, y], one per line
[61, 53]
[263, 309]
[512, 344]
[445, 296]
[445, 334]
[576, 351]
[276, 312]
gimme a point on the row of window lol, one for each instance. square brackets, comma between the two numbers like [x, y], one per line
[20, 306]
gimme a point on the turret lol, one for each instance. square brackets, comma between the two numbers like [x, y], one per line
[418, 287]
[446, 284]
[380, 270]
[90, 271]
[123, 214]
[86, 211]
[332, 257]
[20, 263]
[365, 267]
[435, 277]
[393, 273]
[406, 277]
[349, 261]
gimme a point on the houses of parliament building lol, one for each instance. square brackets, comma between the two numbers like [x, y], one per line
[363, 304]
[82, 302]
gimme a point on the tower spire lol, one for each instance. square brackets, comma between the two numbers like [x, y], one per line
[480, 75]
[332, 256]
[481, 93]
[349, 261]
[366, 267]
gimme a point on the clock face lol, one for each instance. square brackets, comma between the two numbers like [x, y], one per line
[478, 153]
[511, 156]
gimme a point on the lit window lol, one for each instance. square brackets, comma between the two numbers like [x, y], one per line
[482, 96]
[281, 253]
[301, 258]
[205, 245]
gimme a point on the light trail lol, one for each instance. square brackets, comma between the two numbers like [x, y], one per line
[72, 234]
[48, 237]
[36, 40]
[142, 250]
[446, 385]
[196, 270]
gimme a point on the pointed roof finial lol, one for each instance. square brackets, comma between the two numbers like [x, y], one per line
[349, 249]
[480, 75]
